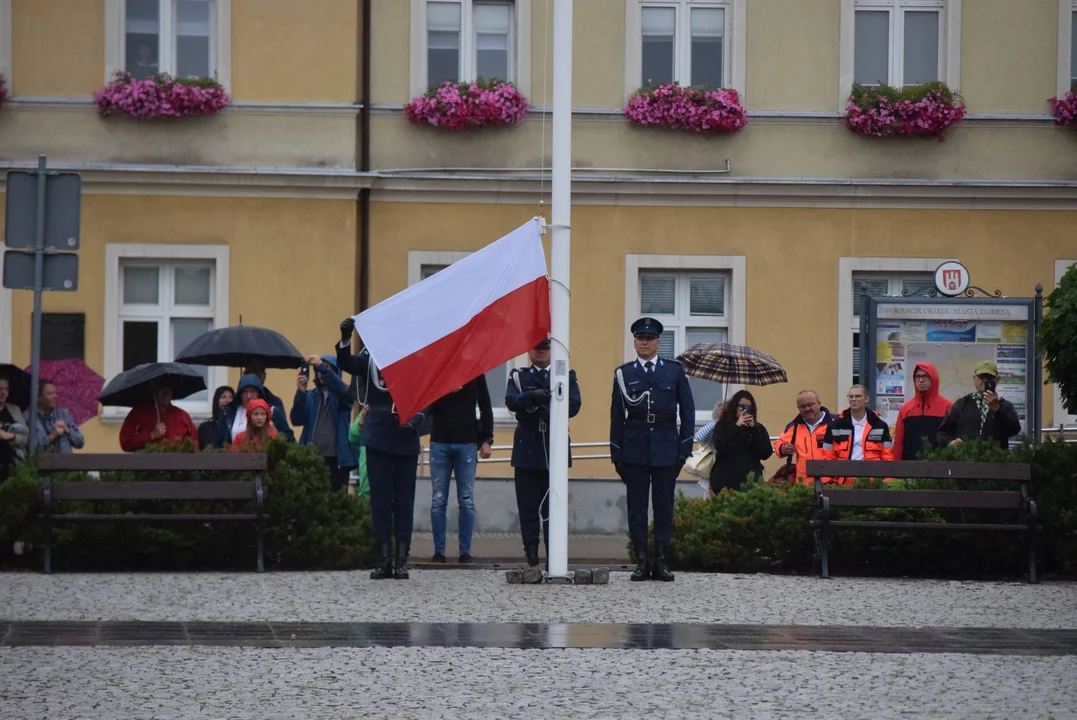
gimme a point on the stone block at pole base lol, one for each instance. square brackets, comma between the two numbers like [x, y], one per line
[531, 575]
[600, 576]
[514, 577]
[582, 577]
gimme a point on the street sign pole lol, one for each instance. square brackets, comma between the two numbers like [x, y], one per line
[39, 279]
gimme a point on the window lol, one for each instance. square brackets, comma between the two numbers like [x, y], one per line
[158, 299]
[464, 40]
[684, 41]
[184, 38]
[883, 285]
[422, 265]
[692, 309]
[898, 42]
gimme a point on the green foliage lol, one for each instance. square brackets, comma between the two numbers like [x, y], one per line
[764, 528]
[307, 526]
[1058, 338]
[868, 96]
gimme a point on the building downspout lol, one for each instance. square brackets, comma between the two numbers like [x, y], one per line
[363, 288]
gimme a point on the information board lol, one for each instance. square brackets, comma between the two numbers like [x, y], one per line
[953, 335]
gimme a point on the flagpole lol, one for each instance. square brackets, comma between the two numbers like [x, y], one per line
[561, 197]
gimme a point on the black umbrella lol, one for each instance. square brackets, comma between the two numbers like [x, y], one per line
[237, 346]
[135, 386]
[19, 382]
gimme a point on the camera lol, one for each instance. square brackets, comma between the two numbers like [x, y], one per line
[989, 386]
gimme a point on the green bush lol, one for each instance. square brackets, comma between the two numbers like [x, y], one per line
[763, 528]
[307, 526]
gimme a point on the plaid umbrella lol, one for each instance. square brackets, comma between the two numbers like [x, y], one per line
[732, 364]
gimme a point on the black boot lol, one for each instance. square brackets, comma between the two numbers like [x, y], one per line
[531, 551]
[643, 568]
[385, 565]
[661, 569]
[401, 567]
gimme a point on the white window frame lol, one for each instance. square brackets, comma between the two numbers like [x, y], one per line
[733, 320]
[119, 254]
[734, 47]
[417, 260]
[949, 41]
[519, 46]
[847, 266]
[5, 43]
[220, 39]
[1059, 415]
[1066, 9]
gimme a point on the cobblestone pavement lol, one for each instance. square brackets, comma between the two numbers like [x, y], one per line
[483, 596]
[105, 683]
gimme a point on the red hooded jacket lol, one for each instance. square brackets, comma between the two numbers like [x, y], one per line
[920, 417]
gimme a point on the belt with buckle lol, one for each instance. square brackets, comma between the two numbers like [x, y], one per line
[653, 418]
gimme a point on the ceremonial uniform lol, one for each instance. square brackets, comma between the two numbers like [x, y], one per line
[528, 396]
[392, 457]
[646, 446]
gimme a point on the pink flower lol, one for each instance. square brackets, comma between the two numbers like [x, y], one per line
[875, 112]
[160, 96]
[457, 107]
[3, 91]
[686, 108]
[1063, 108]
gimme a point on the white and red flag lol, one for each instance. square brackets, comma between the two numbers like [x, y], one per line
[459, 323]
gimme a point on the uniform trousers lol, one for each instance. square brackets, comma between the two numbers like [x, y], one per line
[392, 496]
[531, 499]
[660, 483]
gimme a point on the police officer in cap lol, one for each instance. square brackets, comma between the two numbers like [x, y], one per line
[528, 395]
[646, 446]
[392, 458]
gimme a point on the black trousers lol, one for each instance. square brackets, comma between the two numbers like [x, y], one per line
[392, 496]
[532, 499]
[660, 483]
[338, 477]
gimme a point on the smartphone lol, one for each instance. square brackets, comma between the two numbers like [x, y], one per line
[305, 371]
[989, 385]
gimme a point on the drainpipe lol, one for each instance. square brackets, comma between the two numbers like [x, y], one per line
[363, 289]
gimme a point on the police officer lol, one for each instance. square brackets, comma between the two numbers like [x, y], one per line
[528, 395]
[646, 447]
[392, 459]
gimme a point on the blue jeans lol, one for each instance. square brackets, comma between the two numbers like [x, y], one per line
[447, 459]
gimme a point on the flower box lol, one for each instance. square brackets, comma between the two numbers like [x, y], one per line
[161, 96]
[687, 108]
[461, 106]
[1063, 108]
[915, 111]
[3, 91]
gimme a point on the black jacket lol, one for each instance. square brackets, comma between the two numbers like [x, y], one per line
[454, 415]
[738, 452]
[963, 421]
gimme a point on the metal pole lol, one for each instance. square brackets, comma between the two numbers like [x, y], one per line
[561, 196]
[39, 279]
[1037, 401]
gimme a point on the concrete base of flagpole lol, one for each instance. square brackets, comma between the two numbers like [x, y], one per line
[535, 576]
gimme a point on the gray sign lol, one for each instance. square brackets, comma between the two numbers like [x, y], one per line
[61, 271]
[63, 193]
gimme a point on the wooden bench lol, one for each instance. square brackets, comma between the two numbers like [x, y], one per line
[828, 497]
[95, 491]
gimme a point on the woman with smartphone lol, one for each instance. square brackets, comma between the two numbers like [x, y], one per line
[741, 443]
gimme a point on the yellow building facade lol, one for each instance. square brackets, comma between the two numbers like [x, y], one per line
[757, 238]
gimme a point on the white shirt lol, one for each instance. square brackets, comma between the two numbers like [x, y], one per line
[812, 426]
[643, 363]
[859, 428]
[240, 423]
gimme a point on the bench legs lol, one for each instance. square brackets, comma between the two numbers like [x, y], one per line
[822, 543]
[260, 497]
[47, 497]
[1030, 541]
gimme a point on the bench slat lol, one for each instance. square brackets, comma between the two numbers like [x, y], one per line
[957, 527]
[80, 517]
[88, 462]
[1014, 472]
[963, 499]
[166, 490]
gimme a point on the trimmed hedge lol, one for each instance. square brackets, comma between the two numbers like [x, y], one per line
[308, 527]
[764, 528]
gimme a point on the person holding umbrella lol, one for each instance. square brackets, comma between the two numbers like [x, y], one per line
[149, 390]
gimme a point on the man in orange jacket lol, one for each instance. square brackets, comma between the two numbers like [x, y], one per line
[803, 437]
[858, 433]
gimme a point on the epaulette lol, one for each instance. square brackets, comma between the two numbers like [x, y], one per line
[675, 361]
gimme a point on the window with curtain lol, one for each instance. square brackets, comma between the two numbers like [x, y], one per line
[163, 307]
[169, 36]
[883, 285]
[898, 42]
[684, 41]
[692, 309]
[469, 39]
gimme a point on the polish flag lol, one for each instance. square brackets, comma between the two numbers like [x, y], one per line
[452, 327]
